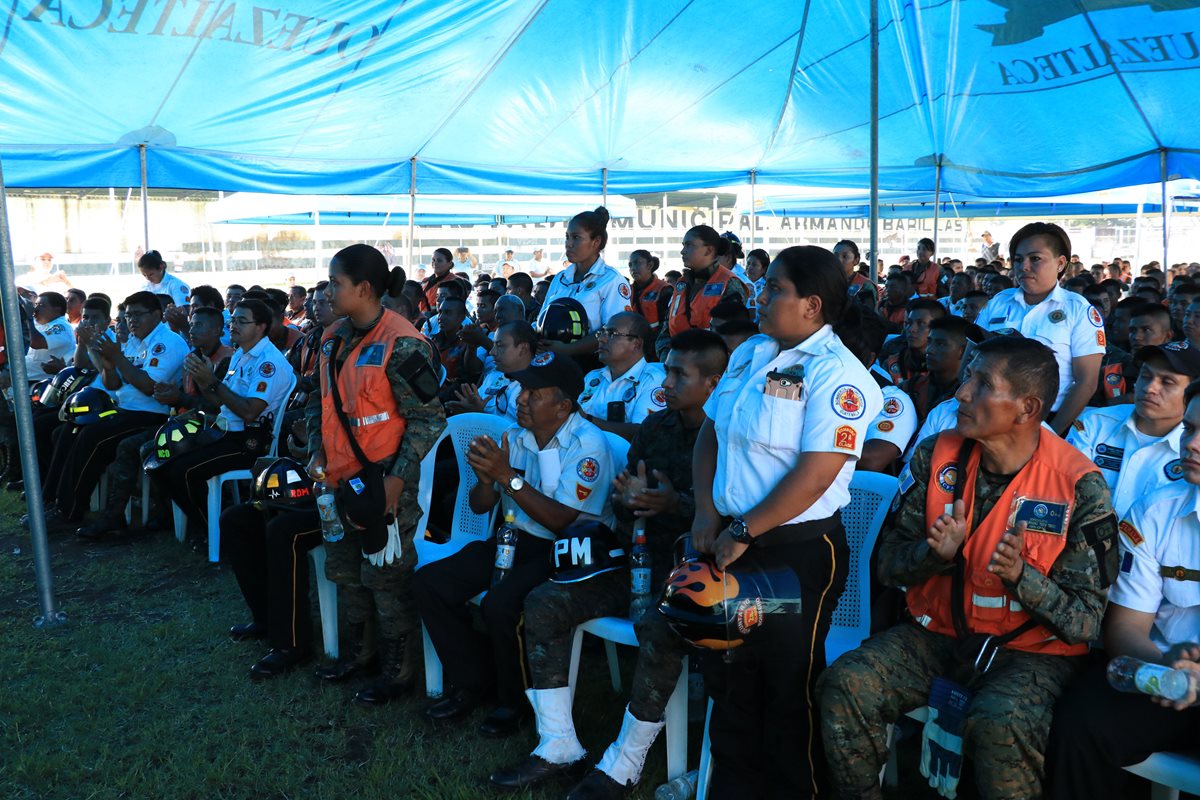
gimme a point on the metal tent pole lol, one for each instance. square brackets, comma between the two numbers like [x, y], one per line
[874, 257]
[23, 410]
[1166, 216]
[318, 245]
[412, 213]
[604, 186]
[937, 200]
[753, 209]
[145, 201]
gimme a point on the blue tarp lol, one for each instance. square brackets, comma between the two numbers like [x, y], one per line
[1013, 98]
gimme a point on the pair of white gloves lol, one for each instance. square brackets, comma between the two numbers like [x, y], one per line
[390, 552]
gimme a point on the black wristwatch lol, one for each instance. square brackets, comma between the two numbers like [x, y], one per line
[739, 532]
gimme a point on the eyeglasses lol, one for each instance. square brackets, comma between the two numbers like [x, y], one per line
[240, 321]
[134, 316]
[609, 333]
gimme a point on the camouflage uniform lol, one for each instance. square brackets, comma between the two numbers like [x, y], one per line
[1009, 719]
[365, 589]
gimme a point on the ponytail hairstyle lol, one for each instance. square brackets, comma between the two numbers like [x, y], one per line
[595, 223]
[363, 263]
[652, 260]
[709, 236]
[816, 271]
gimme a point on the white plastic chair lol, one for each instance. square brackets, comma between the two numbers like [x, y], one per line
[327, 600]
[871, 494]
[466, 526]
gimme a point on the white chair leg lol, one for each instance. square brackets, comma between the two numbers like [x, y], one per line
[327, 600]
[145, 499]
[1160, 792]
[180, 522]
[677, 728]
[576, 648]
[433, 667]
[98, 494]
[705, 773]
[214, 519]
[614, 668]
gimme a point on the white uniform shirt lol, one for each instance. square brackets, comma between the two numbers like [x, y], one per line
[640, 389]
[1131, 467]
[160, 355]
[602, 292]
[575, 468]
[499, 393]
[1063, 321]
[60, 343]
[760, 436]
[1162, 530]
[955, 307]
[170, 285]
[897, 421]
[263, 373]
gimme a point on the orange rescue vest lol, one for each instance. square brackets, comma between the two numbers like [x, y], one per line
[428, 299]
[1046, 485]
[1112, 380]
[367, 398]
[645, 300]
[697, 313]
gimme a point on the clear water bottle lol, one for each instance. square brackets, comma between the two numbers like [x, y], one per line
[639, 573]
[1128, 674]
[506, 547]
[331, 521]
[680, 788]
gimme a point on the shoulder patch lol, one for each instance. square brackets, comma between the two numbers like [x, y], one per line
[947, 477]
[845, 438]
[892, 407]
[1077, 425]
[266, 369]
[659, 398]
[1131, 533]
[542, 359]
[327, 347]
[650, 297]
[1101, 339]
[582, 492]
[848, 402]
[1094, 316]
[1173, 470]
[158, 349]
[1058, 316]
[885, 425]
[588, 469]
[714, 289]
[623, 289]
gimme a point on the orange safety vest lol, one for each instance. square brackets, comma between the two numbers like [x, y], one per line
[428, 299]
[645, 300]
[1112, 380]
[1047, 481]
[367, 398]
[697, 313]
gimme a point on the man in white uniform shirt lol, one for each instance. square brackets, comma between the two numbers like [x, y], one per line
[159, 281]
[1136, 446]
[619, 395]
[1153, 615]
[51, 338]
[513, 349]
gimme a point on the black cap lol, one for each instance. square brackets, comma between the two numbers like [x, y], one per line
[549, 369]
[1182, 357]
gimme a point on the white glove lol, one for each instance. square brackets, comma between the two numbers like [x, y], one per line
[390, 552]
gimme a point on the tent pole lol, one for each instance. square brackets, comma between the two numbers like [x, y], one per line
[604, 186]
[145, 200]
[1137, 236]
[1166, 217]
[23, 411]
[753, 181]
[937, 200]
[874, 257]
[317, 243]
[412, 212]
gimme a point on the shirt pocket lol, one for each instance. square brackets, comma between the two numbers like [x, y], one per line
[777, 423]
[1041, 550]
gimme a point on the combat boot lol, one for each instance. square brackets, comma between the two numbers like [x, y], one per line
[396, 657]
[362, 659]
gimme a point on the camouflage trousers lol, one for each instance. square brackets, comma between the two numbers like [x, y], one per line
[366, 591]
[1008, 721]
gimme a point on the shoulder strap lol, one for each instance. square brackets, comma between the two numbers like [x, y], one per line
[337, 404]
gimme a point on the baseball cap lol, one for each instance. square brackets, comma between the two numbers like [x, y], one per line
[548, 369]
[1182, 357]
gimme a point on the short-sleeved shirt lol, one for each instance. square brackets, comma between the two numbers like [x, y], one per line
[170, 285]
[897, 420]
[772, 405]
[585, 472]
[942, 417]
[1161, 533]
[499, 393]
[1133, 464]
[603, 292]
[1064, 321]
[60, 343]
[640, 389]
[160, 355]
[262, 373]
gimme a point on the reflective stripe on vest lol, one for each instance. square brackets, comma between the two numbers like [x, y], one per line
[361, 422]
[1049, 478]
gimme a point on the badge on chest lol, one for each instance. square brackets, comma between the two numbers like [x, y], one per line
[1040, 516]
[370, 356]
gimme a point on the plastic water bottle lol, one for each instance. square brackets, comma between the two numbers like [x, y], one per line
[506, 547]
[680, 788]
[1128, 674]
[331, 522]
[639, 573]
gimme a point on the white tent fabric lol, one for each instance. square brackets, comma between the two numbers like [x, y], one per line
[1009, 97]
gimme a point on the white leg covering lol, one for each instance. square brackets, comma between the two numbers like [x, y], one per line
[556, 730]
[624, 758]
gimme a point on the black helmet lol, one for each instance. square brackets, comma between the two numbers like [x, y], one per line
[284, 486]
[585, 549]
[37, 392]
[717, 610]
[89, 404]
[565, 320]
[179, 435]
[66, 382]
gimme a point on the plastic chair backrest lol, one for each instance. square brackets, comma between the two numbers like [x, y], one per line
[466, 526]
[871, 494]
[277, 423]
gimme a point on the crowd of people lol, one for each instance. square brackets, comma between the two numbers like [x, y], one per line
[1040, 418]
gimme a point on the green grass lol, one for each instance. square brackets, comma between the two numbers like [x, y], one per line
[141, 694]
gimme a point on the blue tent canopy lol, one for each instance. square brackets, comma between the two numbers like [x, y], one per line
[1011, 98]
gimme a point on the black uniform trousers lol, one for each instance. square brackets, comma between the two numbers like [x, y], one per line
[268, 551]
[1098, 730]
[82, 453]
[184, 478]
[45, 421]
[476, 663]
[765, 729]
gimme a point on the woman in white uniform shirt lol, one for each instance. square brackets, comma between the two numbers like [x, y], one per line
[1038, 308]
[772, 469]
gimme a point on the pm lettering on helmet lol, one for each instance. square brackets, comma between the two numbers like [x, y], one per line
[577, 551]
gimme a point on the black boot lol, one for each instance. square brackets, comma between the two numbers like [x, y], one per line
[359, 660]
[397, 658]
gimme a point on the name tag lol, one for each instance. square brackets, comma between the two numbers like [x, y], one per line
[370, 356]
[714, 289]
[1041, 516]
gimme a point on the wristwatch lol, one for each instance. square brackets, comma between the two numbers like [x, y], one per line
[739, 532]
[515, 484]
